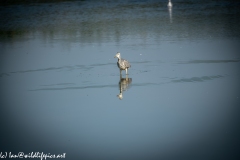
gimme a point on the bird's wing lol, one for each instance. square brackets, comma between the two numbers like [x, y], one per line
[126, 63]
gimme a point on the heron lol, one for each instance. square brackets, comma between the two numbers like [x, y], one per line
[169, 4]
[122, 63]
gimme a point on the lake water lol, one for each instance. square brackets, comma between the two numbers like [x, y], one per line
[60, 85]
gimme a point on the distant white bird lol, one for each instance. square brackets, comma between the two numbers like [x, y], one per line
[169, 4]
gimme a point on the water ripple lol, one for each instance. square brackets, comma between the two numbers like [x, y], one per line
[59, 84]
[71, 88]
[67, 68]
[197, 79]
[56, 68]
[208, 61]
[4, 74]
[53, 87]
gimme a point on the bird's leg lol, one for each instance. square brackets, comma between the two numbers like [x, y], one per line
[126, 71]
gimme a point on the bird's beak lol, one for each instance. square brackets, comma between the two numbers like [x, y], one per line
[115, 56]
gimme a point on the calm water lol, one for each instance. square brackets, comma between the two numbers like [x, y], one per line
[59, 82]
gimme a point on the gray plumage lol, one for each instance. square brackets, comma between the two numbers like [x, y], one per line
[122, 63]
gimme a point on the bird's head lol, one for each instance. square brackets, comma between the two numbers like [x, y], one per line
[120, 96]
[117, 55]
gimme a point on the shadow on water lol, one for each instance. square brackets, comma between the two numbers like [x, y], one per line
[124, 84]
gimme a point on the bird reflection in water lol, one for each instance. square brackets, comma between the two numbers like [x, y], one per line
[124, 84]
[170, 10]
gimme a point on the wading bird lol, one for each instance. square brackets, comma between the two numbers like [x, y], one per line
[122, 63]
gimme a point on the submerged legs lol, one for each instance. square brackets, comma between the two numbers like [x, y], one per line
[125, 70]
